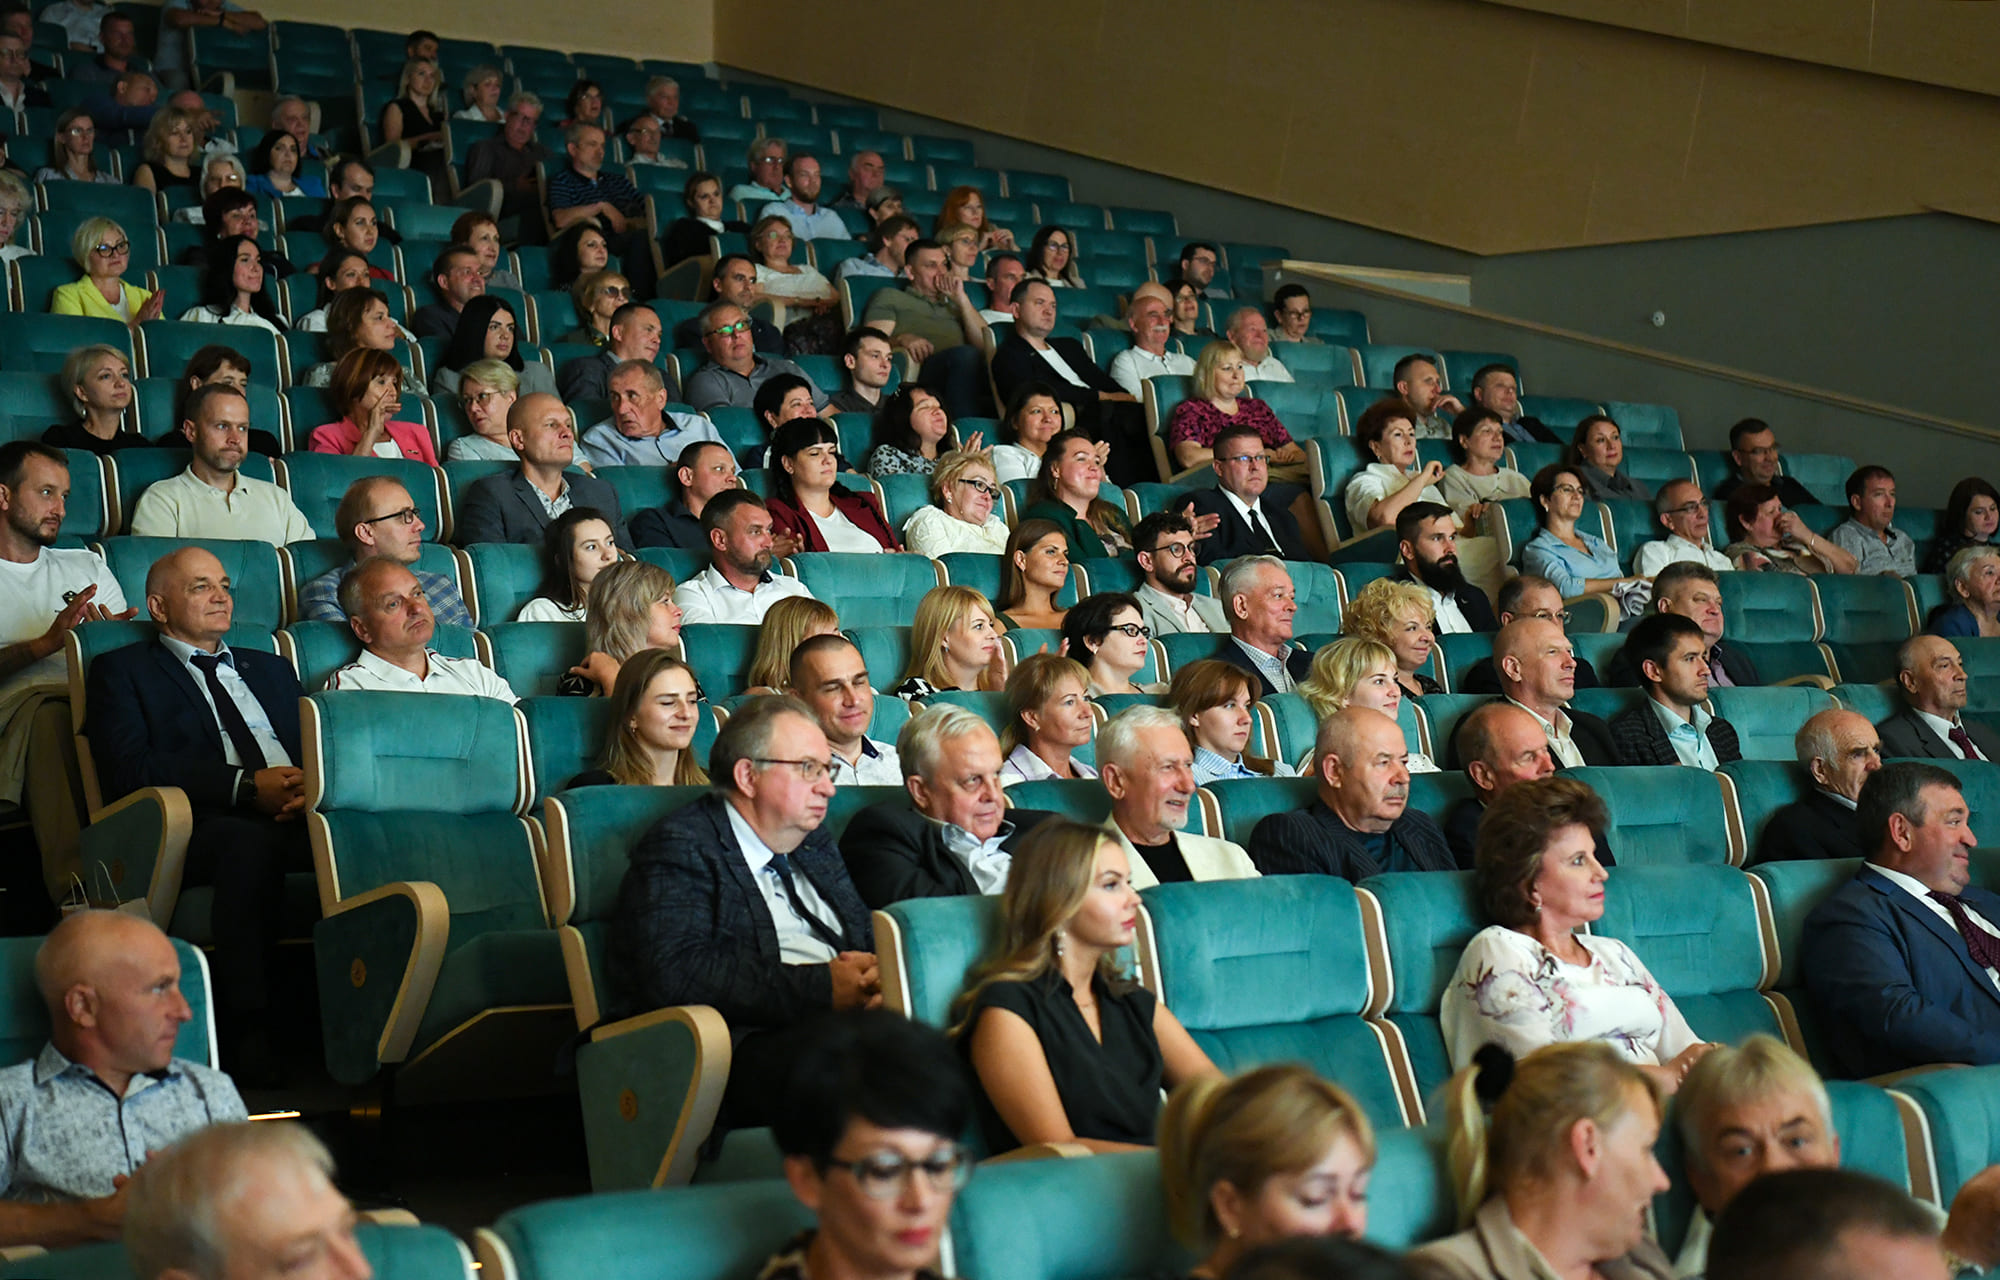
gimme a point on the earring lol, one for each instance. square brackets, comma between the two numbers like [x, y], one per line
[1060, 949]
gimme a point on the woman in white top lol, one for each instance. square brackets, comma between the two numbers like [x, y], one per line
[481, 88]
[232, 288]
[961, 516]
[1108, 633]
[1052, 718]
[15, 201]
[487, 389]
[1213, 699]
[1356, 671]
[1531, 979]
[1377, 494]
[1478, 480]
[1033, 416]
[792, 283]
[576, 547]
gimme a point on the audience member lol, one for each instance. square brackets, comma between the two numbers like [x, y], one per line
[1767, 536]
[1069, 906]
[789, 624]
[350, 224]
[386, 608]
[99, 381]
[1680, 509]
[1236, 519]
[596, 297]
[1838, 749]
[809, 505]
[1049, 718]
[769, 949]
[416, 116]
[1150, 318]
[1198, 262]
[1220, 399]
[911, 426]
[488, 329]
[229, 212]
[1536, 666]
[456, 276]
[1213, 700]
[655, 711]
[1827, 1224]
[1401, 616]
[1034, 574]
[1971, 517]
[642, 144]
[1900, 960]
[736, 367]
[356, 317]
[1051, 256]
[516, 506]
[1107, 633]
[870, 363]
[1392, 476]
[631, 608]
[218, 364]
[1672, 725]
[1292, 313]
[1527, 596]
[212, 499]
[1066, 491]
[1973, 578]
[1147, 766]
[782, 398]
[1033, 417]
[366, 387]
[482, 88]
[828, 675]
[954, 644]
[578, 252]
[1877, 545]
[800, 206]
[478, 230]
[734, 281]
[1431, 408]
[796, 286]
[102, 249]
[1004, 273]
[1577, 561]
[1032, 352]
[642, 430]
[397, 532]
[1597, 455]
[73, 153]
[1360, 822]
[663, 104]
[633, 335]
[704, 469]
[81, 21]
[169, 148]
[1168, 555]
[1754, 459]
[1248, 333]
[888, 242]
[1498, 388]
[1427, 555]
[1691, 590]
[274, 170]
[766, 160]
[122, 108]
[964, 206]
[1478, 478]
[1929, 726]
[577, 546]
[1356, 671]
[1501, 745]
[511, 159]
[692, 234]
[1257, 595]
[866, 172]
[931, 318]
[738, 586]
[961, 515]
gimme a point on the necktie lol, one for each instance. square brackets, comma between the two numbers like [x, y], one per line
[1262, 530]
[1963, 741]
[1716, 675]
[1985, 948]
[248, 754]
[783, 866]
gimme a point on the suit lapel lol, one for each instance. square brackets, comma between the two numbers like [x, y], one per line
[524, 494]
[1945, 933]
[177, 676]
[1934, 747]
[746, 884]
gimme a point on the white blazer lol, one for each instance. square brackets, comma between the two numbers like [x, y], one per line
[1207, 857]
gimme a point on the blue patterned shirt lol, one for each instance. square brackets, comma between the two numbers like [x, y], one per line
[319, 599]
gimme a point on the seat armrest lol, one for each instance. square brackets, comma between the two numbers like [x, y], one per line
[1042, 1151]
[137, 849]
[651, 1086]
[377, 956]
[1816, 682]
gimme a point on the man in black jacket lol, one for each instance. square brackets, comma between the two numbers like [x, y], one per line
[1495, 388]
[703, 470]
[1103, 408]
[1252, 517]
[1260, 601]
[1525, 595]
[1536, 665]
[1360, 823]
[516, 506]
[1670, 726]
[955, 834]
[740, 901]
[1427, 546]
[1931, 726]
[1838, 750]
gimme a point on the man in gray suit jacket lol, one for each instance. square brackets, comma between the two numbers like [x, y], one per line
[1933, 683]
[516, 506]
[1167, 557]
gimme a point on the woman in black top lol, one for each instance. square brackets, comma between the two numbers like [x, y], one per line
[688, 237]
[1065, 1048]
[416, 117]
[99, 380]
[655, 709]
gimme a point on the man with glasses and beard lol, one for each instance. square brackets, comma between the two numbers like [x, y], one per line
[1246, 524]
[1427, 545]
[1168, 557]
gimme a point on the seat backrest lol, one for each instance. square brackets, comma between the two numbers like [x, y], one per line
[1419, 923]
[1083, 799]
[1239, 804]
[872, 590]
[1762, 787]
[1274, 969]
[255, 579]
[1699, 931]
[24, 1017]
[1437, 794]
[317, 482]
[927, 946]
[504, 576]
[1767, 717]
[1979, 781]
[1769, 606]
[722, 1231]
[1876, 701]
[1316, 590]
[1410, 1198]
[1961, 1111]
[1101, 1218]
[1864, 608]
[720, 654]
[532, 656]
[1661, 815]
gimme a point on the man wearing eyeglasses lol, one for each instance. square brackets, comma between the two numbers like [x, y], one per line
[376, 517]
[767, 174]
[387, 611]
[635, 335]
[735, 282]
[1525, 595]
[735, 369]
[1683, 512]
[17, 88]
[1169, 557]
[1755, 457]
[740, 901]
[1246, 525]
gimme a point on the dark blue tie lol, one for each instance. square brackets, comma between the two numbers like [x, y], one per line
[783, 866]
[248, 753]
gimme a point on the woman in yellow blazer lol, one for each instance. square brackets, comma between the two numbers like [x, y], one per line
[101, 247]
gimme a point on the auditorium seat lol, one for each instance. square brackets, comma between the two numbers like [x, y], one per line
[394, 1250]
[87, 511]
[1981, 658]
[1662, 815]
[1607, 701]
[1409, 1191]
[886, 653]
[720, 654]
[1867, 617]
[166, 346]
[304, 561]
[1775, 618]
[1418, 923]
[317, 481]
[435, 952]
[866, 590]
[1757, 789]
[1232, 808]
[1766, 717]
[255, 578]
[1459, 366]
[721, 1232]
[1560, 414]
[1647, 426]
[1437, 794]
[1793, 890]
[1980, 783]
[1274, 969]
[532, 656]
[318, 649]
[1700, 932]
[1877, 701]
[42, 342]
[1324, 359]
[1100, 1218]
[1442, 714]
[1823, 474]
[1081, 799]
[500, 577]
[925, 947]
[1951, 1122]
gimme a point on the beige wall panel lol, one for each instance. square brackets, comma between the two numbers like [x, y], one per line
[1948, 42]
[1832, 32]
[682, 30]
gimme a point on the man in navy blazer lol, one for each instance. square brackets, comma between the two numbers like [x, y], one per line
[154, 719]
[1258, 596]
[1903, 961]
[517, 505]
[741, 901]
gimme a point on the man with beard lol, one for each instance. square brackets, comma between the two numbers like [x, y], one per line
[1525, 595]
[1360, 823]
[1427, 545]
[738, 585]
[211, 498]
[1247, 524]
[1168, 557]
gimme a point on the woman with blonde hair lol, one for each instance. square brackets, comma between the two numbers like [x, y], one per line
[1221, 399]
[954, 644]
[481, 88]
[99, 380]
[789, 624]
[1213, 700]
[1398, 614]
[1274, 1154]
[597, 295]
[1051, 717]
[487, 389]
[1359, 671]
[631, 608]
[1066, 1048]
[961, 514]
[101, 247]
[655, 711]
[961, 249]
[169, 147]
[1557, 1182]
[416, 116]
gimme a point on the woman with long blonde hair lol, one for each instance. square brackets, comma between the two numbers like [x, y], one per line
[1066, 1048]
[631, 608]
[655, 712]
[789, 623]
[954, 644]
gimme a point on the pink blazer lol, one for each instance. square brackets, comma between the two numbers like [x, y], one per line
[413, 438]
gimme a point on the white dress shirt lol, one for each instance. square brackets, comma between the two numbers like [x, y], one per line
[252, 711]
[1131, 367]
[1655, 556]
[1921, 892]
[797, 943]
[463, 676]
[709, 597]
[1561, 745]
[1942, 728]
[877, 765]
[985, 860]
[1450, 619]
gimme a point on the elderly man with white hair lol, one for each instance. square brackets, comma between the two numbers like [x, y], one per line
[1252, 336]
[954, 834]
[1150, 316]
[1146, 765]
[1838, 749]
[1258, 596]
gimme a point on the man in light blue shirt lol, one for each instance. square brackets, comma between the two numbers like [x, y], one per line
[642, 431]
[809, 219]
[1671, 726]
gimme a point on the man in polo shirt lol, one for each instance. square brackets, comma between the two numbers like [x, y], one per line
[642, 431]
[705, 469]
[635, 335]
[211, 499]
[734, 369]
[738, 585]
[584, 190]
[810, 220]
[79, 1119]
[389, 615]
[1876, 545]
[377, 517]
[828, 675]
[1151, 318]
[933, 320]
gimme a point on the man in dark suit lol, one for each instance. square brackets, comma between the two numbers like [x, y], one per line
[1838, 750]
[1903, 961]
[1427, 546]
[1536, 665]
[1257, 595]
[186, 710]
[1525, 595]
[1671, 726]
[703, 470]
[1246, 523]
[1495, 388]
[1691, 590]
[635, 335]
[740, 901]
[1503, 745]
[1933, 682]
[516, 506]
[955, 835]
[1103, 408]
[1360, 823]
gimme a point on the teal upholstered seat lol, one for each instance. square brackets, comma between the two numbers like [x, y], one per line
[1867, 617]
[532, 656]
[867, 590]
[1698, 930]
[1876, 701]
[1794, 889]
[255, 580]
[721, 1232]
[1761, 788]
[1437, 794]
[1409, 1192]
[1767, 717]
[1461, 651]
[1422, 921]
[317, 482]
[318, 649]
[885, 651]
[1083, 799]
[720, 654]
[502, 577]
[1232, 809]
[1661, 815]
[926, 945]
[1648, 426]
[1958, 1113]
[1775, 617]
[1101, 1218]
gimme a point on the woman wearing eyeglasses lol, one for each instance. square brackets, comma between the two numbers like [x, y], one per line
[72, 152]
[1051, 719]
[1108, 634]
[1575, 561]
[869, 1121]
[101, 247]
[655, 710]
[1386, 437]
[961, 515]
[911, 424]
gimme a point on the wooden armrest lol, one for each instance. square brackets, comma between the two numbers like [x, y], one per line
[378, 955]
[651, 1086]
[1889, 1079]
[1042, 1151]
[137, 848]
[1817, 682]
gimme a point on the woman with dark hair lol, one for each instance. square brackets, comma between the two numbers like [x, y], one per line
[1187, 311]
[1033, 572]
[1032, 417]
[1478, 478]
[576, 253]
[274, 169]
[1065, 491]
[232, 288]
[688, 236]
[1597, 454]
[340, 270]
[366, 385]
[911, 424]
[655, 710]
[215, 363]
[1765, 536]
[1052, 257]
[584, 104]
[1392, 477]
[1575, 560]
[1108, 634]
[357, 319]
[809, 505]
[350, 224]
[578, 545]
[488, 330]
[1971, 517]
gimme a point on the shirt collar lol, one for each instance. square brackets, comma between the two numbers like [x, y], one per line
[755, 852]
[1908, 884]
[381, 666]
[1219, 764]
[1699, 721]
[1561, 726]
[185, 652]
[1839, 799]
[960, 841]
[1939, 725]
[713, 576]
[1243, 508]
[51, 1062]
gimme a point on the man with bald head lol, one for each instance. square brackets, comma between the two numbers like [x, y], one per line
[80, 1118]
[1150, 315]
[377, 517]
[1501, 745]
[1536, 666]
[385, 606]
[1929, 726]
[186, 709]
[1361, 822]
[1838, 750]
[516, 506]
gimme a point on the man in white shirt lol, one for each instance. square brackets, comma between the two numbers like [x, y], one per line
[828, 675]
[810, 220]
[1427, 548]
[1683, 512]
[1147, 767]
[386, 607]
[1150, 315]
[211, 499]
[1536, 666]
[1165, 543]
[1418, 381]
[1252, 337]
[766, 159]
[738, 586]
[642, 431]
[1004, 273]
[1933, 681]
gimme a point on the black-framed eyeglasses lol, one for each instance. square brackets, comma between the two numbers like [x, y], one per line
[1133, 630]
[112, 250]
[1178, 550]
[407, 516]
[981, 486]
[883, 1175]
[1688, 508]
[810, 770]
